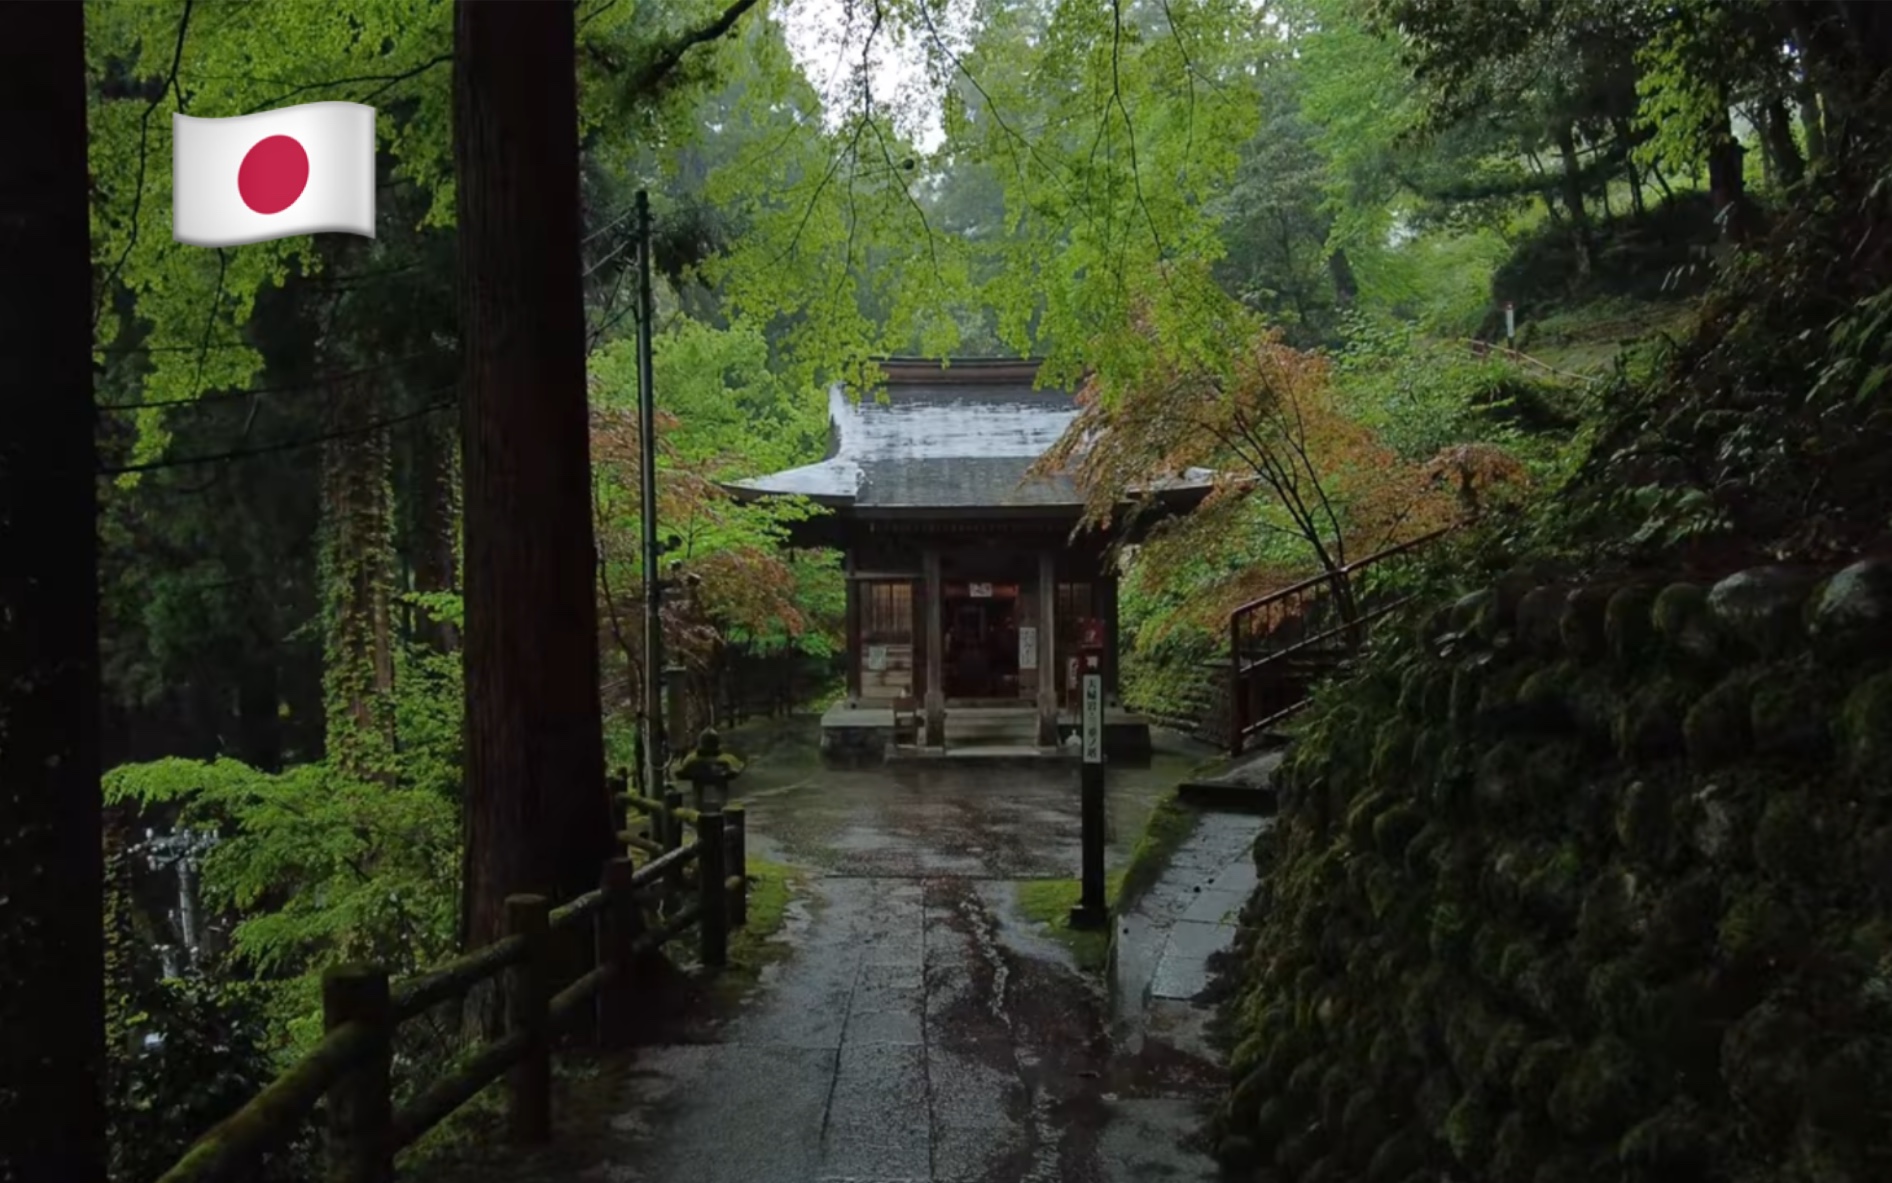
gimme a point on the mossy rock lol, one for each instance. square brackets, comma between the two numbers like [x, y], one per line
[1418, 856]
[1644, 823]
[1392, 753]
[1487, 956]
[1238, 1154]
[1551, 988]
[1682, 922]
[1435, 1098]
[1502, 783]
[1865, 730]
[1337, 1084]
[1763, 608]
[1788, 843]
[1846, 1087]
[1629, 634]
[1469, 1030]
[1503, 1049]
[1712, 821]
[1790, 712]
[1539, 1068]
[1599, 1092]
[1500, 712]
[1648, 724]
[1515, 1151]
[1363, 1119]
[1467, 608]
[1677, 1142]
[1544, 698]
[1850, 615]
[1761, 927]
[1685, 1024]
[1361, 816]
[1468, 678]
[1580, 624]
[1683, 623]
[1450, 934]
[1608, 917]
[1469, 1128]
[1553, 890]
[1619, 997]
[1397, 1157]
[1718, 728]
[1395, 829]
[1764, 1063]
[1565, 1167]
[1874, 860]
[1539, 614]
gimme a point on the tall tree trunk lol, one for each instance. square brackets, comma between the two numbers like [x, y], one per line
[52, 948]
[537, 813]
[1727, 186]
[1783, 152]
[1572, 180]
[1808, 101]
[357, 576]
[1346, 286]
[431, 491]
[1626, 135]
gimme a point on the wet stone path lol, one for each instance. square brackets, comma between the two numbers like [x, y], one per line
[920, 1029]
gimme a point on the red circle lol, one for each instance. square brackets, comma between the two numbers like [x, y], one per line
[273, 174]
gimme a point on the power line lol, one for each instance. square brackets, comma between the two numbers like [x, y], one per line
[285, 445]
[324, 382]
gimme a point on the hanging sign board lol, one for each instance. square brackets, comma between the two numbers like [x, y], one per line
[1093, 719]
[877, 658]
[1028, 647]
[1510, 320]
[979, 591]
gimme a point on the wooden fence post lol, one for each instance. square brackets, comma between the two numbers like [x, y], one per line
[735, 819]
[620, 922]
[712, 891]
[616, 785]
[673, 835]
[360, 1104]
[530, 1080]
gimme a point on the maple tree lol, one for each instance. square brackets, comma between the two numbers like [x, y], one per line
[1289, 463]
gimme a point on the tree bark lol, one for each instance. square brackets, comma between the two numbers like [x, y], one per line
[431, 489]
[1783, 152]
[1727, 187]
[1346, 287]
[357, 574]
[1572, 180]
[537, 814]
[52, 955]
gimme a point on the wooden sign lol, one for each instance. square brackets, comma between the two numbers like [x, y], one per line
[1028, 647]
[1093, 719]
[877, 658]
[979, 591]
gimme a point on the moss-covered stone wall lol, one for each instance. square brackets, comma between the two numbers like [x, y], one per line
[1584, 883]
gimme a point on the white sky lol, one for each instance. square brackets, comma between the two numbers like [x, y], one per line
[827, 38]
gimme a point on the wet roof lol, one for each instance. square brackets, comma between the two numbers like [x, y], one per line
[938, 438]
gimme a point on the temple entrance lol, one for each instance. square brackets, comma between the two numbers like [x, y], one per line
[980, 653]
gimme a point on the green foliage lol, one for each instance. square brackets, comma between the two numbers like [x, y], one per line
[318, 869]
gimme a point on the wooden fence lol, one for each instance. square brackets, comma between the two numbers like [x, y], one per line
[700, 884]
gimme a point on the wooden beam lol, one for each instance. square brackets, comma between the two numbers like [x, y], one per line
[1047, 648]
[935, 684]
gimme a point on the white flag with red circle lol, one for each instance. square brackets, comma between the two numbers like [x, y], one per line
[251, 178]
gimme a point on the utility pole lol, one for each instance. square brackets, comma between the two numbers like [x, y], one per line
[653, 729]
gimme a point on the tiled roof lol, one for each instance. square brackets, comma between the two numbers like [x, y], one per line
[937, 439]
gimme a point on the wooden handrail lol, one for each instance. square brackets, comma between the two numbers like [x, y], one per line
[1346, 569]
[1242, 671]
[349, 1066]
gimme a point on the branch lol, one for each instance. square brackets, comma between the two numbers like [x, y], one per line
[652, 76]
[388, 82]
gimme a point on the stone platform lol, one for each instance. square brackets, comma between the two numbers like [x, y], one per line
[866, 733]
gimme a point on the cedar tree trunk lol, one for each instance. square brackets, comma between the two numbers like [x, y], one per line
[536, 807]
[52, 919]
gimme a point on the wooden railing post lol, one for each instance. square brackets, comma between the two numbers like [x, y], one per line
[735, 820]
[673, 834]
[1237, 688]
[616, 785]
[712, 890]
[360, 1104]
[530, 1080]
[620, 921]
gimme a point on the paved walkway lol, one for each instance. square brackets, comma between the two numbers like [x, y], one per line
[922, 1030]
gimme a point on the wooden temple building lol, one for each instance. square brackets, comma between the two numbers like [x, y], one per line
[973, 602]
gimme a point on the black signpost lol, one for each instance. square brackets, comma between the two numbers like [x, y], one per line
[1091, 911]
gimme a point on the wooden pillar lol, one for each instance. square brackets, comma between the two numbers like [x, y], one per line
[1107, 608]
[935, 683]
[854, 654]
[1048, 655]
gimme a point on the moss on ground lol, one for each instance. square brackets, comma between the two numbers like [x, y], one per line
[772, 887]
[1048, 902]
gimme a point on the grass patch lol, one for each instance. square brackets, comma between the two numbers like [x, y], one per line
[1049, 901]
[753, 946]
